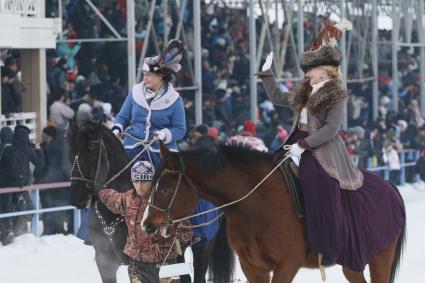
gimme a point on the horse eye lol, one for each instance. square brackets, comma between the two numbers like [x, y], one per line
[162, 190]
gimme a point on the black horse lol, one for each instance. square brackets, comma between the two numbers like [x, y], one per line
[97, 156]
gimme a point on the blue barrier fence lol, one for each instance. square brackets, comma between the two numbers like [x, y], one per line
[407, 159]
[34, 190]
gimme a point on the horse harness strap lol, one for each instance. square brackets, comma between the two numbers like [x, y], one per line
[76, 164]
[108, 229]
[167, 211]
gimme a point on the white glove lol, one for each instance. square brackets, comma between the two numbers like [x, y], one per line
[268, 64]
[295, 153]
[160, 135]
[116, 132]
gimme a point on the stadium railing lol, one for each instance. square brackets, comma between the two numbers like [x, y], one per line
[34, 191]
[407, 158]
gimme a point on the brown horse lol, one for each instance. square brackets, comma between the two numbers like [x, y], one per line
[263, 229]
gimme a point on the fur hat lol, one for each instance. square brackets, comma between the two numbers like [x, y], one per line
[167, 63]
[324, 52]
[325, 56]
[142, 171]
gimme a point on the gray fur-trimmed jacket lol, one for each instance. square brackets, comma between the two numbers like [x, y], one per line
[326, 112]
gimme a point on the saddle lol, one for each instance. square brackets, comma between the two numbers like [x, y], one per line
[291, 177]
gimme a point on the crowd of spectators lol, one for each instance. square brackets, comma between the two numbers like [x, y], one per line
[88, 80]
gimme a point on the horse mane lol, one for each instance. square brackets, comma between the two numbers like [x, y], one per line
[212, 159]
[79, 139]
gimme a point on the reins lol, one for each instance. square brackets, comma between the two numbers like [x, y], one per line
[173, 221]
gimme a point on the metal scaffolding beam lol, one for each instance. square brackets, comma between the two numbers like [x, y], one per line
[104, 20]
[344, 59]
[300, 32]
[394, 52]
[421, 34]
[131, 43]
[252, 62]
[375, 59]
[197, 60]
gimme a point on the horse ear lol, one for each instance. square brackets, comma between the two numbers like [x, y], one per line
[163, 149]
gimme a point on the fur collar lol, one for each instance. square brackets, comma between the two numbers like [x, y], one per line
[330, 93]
[163, 102]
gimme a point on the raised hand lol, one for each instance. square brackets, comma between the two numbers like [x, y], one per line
[268, 64]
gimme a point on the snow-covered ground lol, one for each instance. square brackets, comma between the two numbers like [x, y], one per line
[66, 259]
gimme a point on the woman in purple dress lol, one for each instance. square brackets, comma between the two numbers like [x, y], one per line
[350, 215]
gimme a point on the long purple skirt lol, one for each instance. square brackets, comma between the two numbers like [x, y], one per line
[347, 227]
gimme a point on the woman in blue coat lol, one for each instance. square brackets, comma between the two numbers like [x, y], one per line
[154, 108]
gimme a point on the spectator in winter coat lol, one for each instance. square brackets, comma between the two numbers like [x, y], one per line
[32, 154]
[7, 104]
[420, 165]
[146, 251]
[221, 110]
[10, 176]
[56, 169]
[61, 112]
[391, 157]
[18, 89]
[208, 111]
[371, 147]
[280, 138]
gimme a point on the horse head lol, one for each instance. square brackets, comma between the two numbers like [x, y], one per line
[95, 155]
[173, 195]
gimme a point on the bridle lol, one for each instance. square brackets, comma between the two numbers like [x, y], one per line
[181, 173]
[102, 153]
[108, 228]
[167, 211]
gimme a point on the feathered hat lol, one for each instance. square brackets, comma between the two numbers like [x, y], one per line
[324, 52]
[168, 62]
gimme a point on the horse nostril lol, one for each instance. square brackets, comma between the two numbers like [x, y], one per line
[149, 228]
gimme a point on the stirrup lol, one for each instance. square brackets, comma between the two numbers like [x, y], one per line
[322, 268]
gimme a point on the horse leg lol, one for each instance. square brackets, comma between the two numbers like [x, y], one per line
[107, 266]
[254, 274]
[201, 255]
[353, 276]
[380, 266]
[285, 273]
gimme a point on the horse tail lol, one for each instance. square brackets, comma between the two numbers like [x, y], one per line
[401, 241]
[222, 261]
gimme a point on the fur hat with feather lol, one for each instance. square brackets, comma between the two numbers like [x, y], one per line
[167, 63]
[324, 52]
